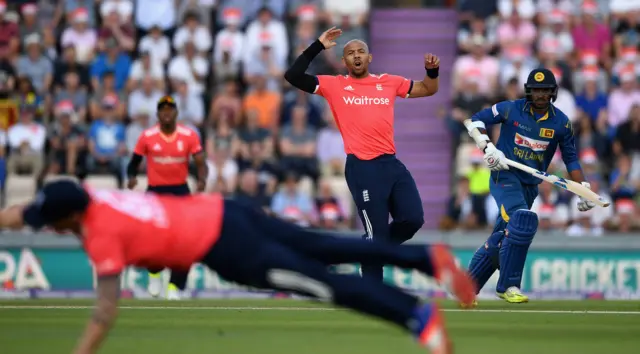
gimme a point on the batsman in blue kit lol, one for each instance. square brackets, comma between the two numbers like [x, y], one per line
[532, 129]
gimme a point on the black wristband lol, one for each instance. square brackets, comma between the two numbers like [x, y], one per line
[433, 73]
[314, 49]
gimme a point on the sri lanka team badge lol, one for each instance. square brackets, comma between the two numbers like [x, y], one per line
[539, 77]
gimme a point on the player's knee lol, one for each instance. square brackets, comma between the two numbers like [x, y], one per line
[522, 226]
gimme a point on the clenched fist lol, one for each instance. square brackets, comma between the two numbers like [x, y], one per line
[431, 61]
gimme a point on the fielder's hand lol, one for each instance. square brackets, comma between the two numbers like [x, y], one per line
[133, 182]
[431, 61]
[583, 204]
[495, 158]
[329, 36]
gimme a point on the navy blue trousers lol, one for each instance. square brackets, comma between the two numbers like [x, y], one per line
[381, 187]
[178, 277]
[257, 250]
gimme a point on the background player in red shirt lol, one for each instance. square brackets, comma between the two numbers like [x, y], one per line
[362, 104]
[124, 228]
[168, 147]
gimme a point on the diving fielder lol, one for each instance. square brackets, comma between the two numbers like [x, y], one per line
[532, 128]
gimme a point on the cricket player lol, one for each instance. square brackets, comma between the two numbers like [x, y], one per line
[532, 128]
[168, 147]
[125, 228]
[362, 104]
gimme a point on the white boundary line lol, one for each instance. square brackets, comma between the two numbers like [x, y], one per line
[311, 309]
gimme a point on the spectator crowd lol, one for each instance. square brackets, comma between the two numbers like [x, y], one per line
[592, 48]
[80, 80]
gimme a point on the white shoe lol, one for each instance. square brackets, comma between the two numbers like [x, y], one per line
[155, 284]
[173, 294]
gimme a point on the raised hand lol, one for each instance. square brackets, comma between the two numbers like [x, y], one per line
[329, 36]
[431, 61]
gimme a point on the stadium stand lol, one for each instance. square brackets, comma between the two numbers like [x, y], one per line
[79, 82]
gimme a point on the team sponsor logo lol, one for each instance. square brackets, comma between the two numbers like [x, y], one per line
[367, 101]
[379, 87]
[533, 144]
[169, 160]
[521, 126]
[348, 88]
[547, 133]
[180, 145]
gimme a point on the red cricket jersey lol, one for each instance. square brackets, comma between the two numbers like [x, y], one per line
[363, 110]
[128, 228]
[168, 156]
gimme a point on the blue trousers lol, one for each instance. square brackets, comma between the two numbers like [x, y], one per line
[178, 277]
[265, 252]
[381, 187]
[510, 195]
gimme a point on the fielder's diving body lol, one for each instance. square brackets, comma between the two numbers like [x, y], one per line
[362, 105]
[532, 129]
[126, 228]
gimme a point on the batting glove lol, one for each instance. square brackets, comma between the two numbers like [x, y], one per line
[583, 204]
[495, 158]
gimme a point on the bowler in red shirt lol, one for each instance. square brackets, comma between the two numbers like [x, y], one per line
[362, 104]
[168, 147]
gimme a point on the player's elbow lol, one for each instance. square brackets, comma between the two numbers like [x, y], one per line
[290, 76]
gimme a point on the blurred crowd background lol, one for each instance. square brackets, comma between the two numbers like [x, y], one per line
[592, 48]
[80, 79]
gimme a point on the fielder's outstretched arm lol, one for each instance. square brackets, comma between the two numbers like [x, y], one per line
[104, 314]
[11, 217]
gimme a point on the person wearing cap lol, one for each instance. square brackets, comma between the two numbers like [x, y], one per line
[119, 229]
[82, 37]
[531, 131]
[230, 39]
[29, 23]
[168, 147]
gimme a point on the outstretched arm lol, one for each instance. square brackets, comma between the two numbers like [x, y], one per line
[296, 75]
[430, 84]
[104, 315]
[11, 217]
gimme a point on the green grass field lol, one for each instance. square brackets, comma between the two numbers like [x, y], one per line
[295, 327]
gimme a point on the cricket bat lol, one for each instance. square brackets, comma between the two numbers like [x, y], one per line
[571, 186]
